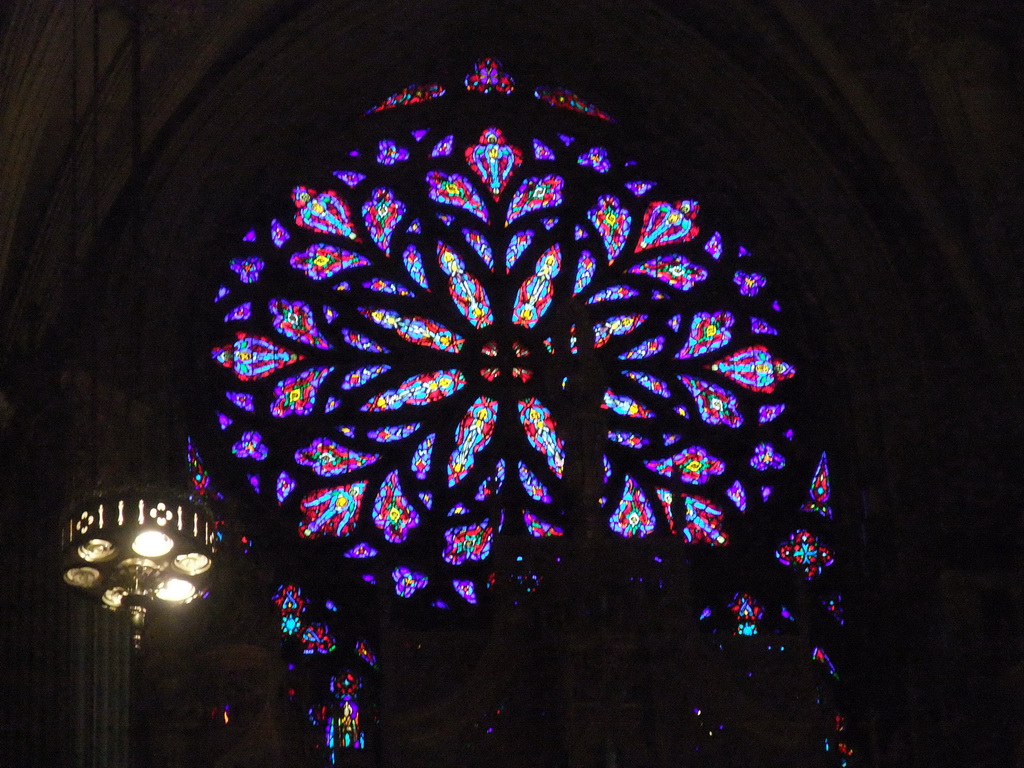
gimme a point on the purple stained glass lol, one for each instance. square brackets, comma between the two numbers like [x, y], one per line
[584, 272]
[322, 261]
[407, 581]
[413, 261]
[633, 516]
[542, 151]
[596, 158]
[331, 511]
[392, 433]
[612, 222]
[247, 269]
[393, 514]
[645, 349]
[673, 270]
[418, 390]
[614, 293]
[471, 436]
[361, 376]
[519, 243]
[243, 400]
[328, 458]
[389, 153]
[457, 190]
[284, 486]
[444, 147]
[535, 194]
[294, 319]
[750, 283]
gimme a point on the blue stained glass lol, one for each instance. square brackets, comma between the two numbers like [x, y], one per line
[254, 481]
[221, 293]
[492, 484]
[614, 293]
[361, 342]
[389, 153]
[738, 496]
[596, 158]
[539, 528]
[250, 236]
[520, 242]
[407, 581]
[584, 272]
[480, 245]
[444, 147]
[350, 178]
[580, 233]
[628, 439]
[247, 269]
[640, 188]
[565, 139]
[224, 421]
[278, 233]
[421, 458]
[360, 376]
[607, 470]
[378, 285]
[766, 413]
[465, 589]
[645, 349]
[541, 151]
[535, 489]
[413, 261]
[766, 457]
[750, 283]
[657, 386]
[626, 406]
[757, 325]
[242, 400]
[670, 439]
[414, 227]
[391, 434]
[284, 486]
[714, 246]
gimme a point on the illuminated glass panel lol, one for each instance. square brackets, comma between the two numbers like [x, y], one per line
[488, 76]
[414, 94]
[820, 491]
[254, 357]
[494, 160]
[327, 458]
[667, 223]
[804, 554]
[418, 390]
[296, 395]
[540, 432]
[457, 190]
[393, 514]
[694, 465]
[633, 517]
[708, 332]
[467, 542]
[294, 319]
[381, 213]
[612, 223]
[471, 436]
[416, 330]
[535, 294]
[325, 212]
[467, 292]
[539, 528]
[566, 99]
[535, 194]
[480, 245]
[361, 376]
[673, 270]
[331, 511]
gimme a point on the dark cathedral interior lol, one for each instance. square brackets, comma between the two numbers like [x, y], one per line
[869, 155]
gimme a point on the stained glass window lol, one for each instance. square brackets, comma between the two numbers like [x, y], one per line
[404, 375]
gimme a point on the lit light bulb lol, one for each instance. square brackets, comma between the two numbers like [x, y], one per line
[152, 544]
[176, 591]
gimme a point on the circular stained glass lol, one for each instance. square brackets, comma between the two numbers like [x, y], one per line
[412, 348]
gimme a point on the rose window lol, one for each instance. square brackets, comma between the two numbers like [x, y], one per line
[412, 348]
